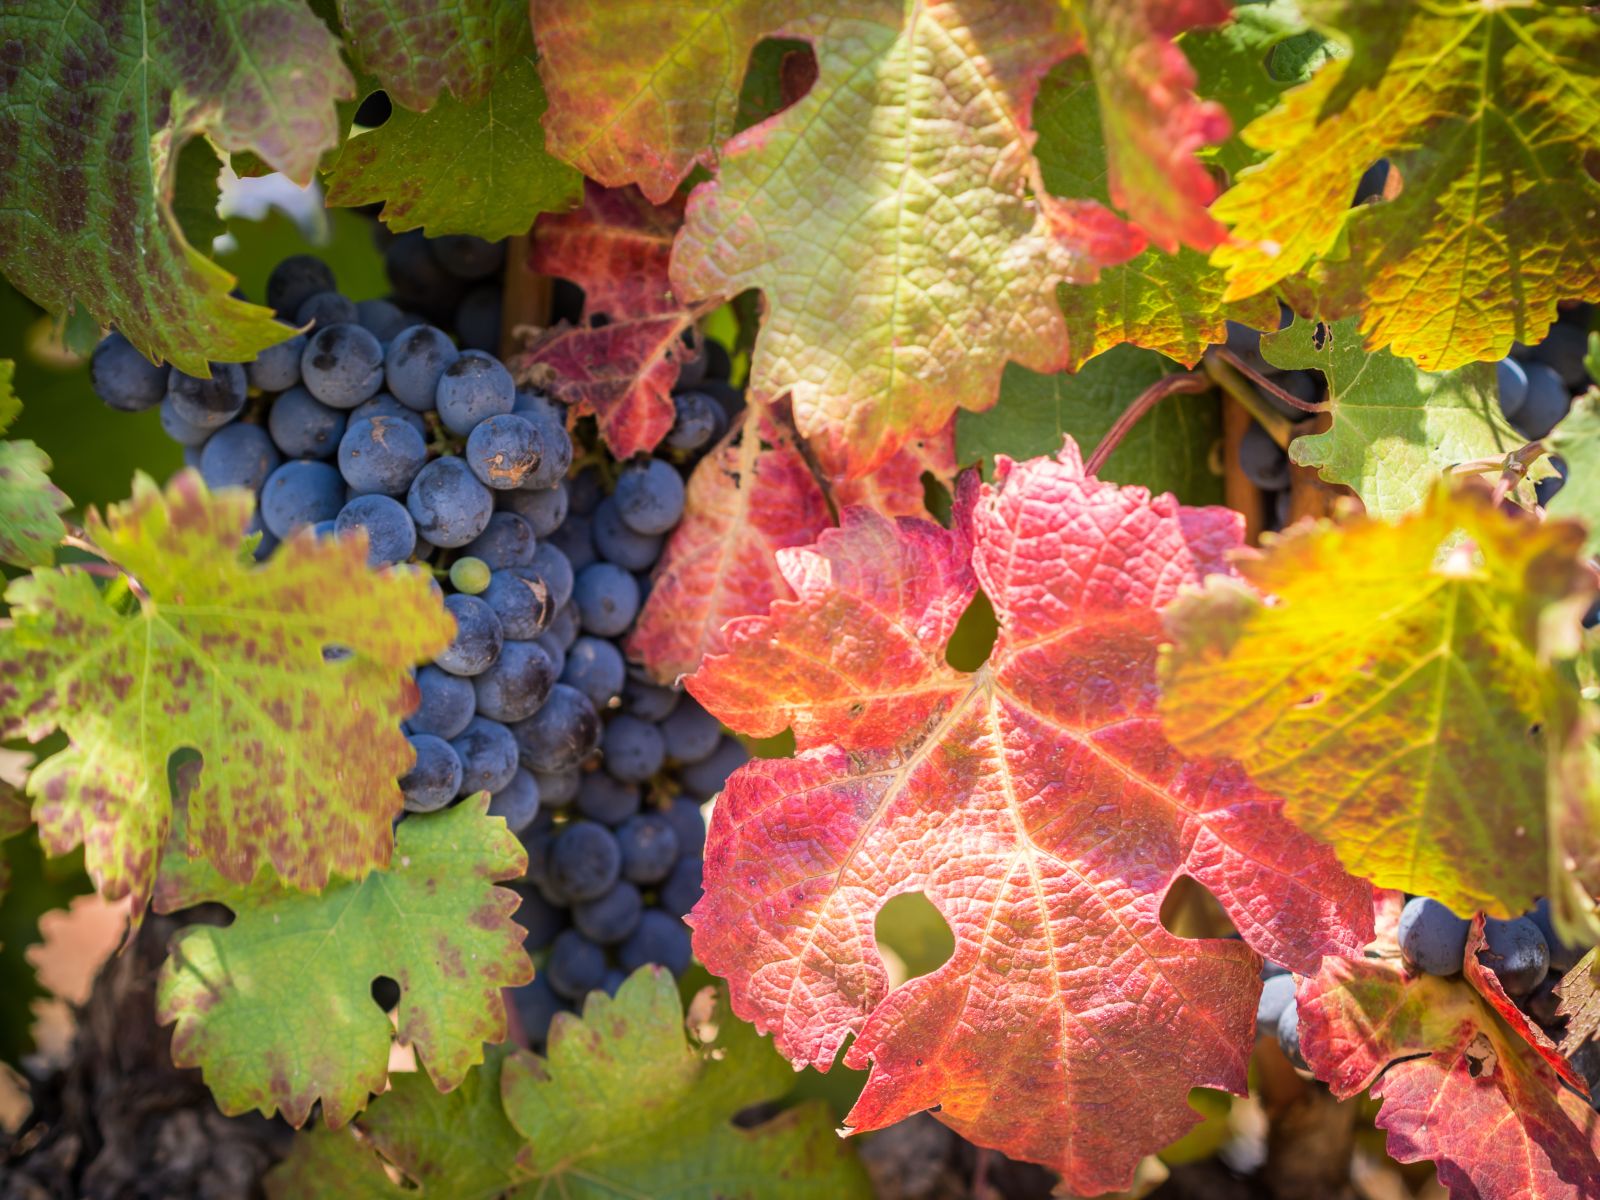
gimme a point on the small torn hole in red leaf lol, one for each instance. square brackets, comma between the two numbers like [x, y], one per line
[915, 932]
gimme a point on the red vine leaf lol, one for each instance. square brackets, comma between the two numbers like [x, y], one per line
[1035, 802]
[621, 361]
[1479, 1097]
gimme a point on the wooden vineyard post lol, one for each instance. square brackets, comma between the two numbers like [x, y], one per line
[525, 298]
[1238, 491]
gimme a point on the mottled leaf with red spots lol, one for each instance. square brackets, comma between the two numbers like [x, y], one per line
[30, 505]
[1035, 802]
[96, 103]
[418, 49]
[300, 754]
[1478, 1094]
[621, 360]
[277, 1010]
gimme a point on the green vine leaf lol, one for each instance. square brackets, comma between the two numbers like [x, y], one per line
[95, 109]
[30, 505]
[465, 166]
[227, 658]
[1395, 427]
[1486, 114]
[1577, 440]
[625, 1105]
[419, 49]
[277, 1010]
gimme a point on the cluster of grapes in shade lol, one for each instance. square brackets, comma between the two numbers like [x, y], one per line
[370, 417]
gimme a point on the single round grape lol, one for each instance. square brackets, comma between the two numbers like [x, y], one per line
[552, 566]
[505, 542]
[540, 920]
[564, 625]
[478, 636]
[704, 780]
[342, 365]
[631, 749]
[488, 755]
[1262, 460]
[576, 966]
[123, 378]
[691, 733]
[602, 798]
[209, 403]
[385, 405]
[326, 308]
[1277, 994]
[478, 319]
[238, 456]
[304, 427]
[691, 365]
[391, 535]
[518, 682]
[277, 368]
[522, 601]
[595, 667]
[649, 847]
[417, 279]
[1515, 951]
[469, 575]
[447, 705]
[537, 1006]
[660, 938]
[381, 319]
[698, 423]
[574, 540]
[1563, 349]
[584, 860]
[688, 822]
[607, 598]
[682, 889]
[650, 496]
[619, 544]
[543, 510]
[555, 455]
[1564, 955]
[608, 919]
[295, 280]
[1512, 382]
[561, 734]
[473, 388]
[300, 493]
[503, 451]
[559, 788]
[468, 257]
[1548, 401]
[416, 358]
[381, 455]
[1432, 937]
[435, 778]
[517, 804]
[447, 502]
[1289, 1034]
[648, 701]
[556, 651]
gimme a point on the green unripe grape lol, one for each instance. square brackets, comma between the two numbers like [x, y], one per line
[469, 575]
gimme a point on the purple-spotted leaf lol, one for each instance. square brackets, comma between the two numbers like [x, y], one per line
[276, 1009]
[30, 505]
[96, 105]
[225, 657]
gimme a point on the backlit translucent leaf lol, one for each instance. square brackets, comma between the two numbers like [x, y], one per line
[621, 367]
[418, 49]
[1488, 112]
[30, 524]
[1577, 439]
[1393, 693]
[276, 1009]
[1395, 427]
[1168, 450]
[1470, 1092]
[225, 657]
[1580, 1002]
[96, 104]
[623, 1106]
[476, 167]
[1034, 802]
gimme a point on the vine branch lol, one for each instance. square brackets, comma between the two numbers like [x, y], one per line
[1189, 381]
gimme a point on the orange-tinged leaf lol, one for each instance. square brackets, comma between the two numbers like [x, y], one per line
[1034, 802]
[300, 754]
[1393, 692]
[1459, 1086]
[621, 366]
[1487, 112]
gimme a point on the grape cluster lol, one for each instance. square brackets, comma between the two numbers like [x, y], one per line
[1538, 384]
[370, 417]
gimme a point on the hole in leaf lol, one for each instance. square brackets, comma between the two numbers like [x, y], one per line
[1322, 336]
[385, 993]
[1311, 701]
[566, 301]
[374, 110]
[599, 320]
[936, 498]
[336, 654]
[781, 71]
[1191, 911]
[974, 636]
[911, 929]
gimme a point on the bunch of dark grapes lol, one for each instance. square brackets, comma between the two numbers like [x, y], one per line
[372, 418]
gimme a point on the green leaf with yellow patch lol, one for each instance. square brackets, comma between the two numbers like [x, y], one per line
[628, 1103]
[1487, 113]
[1394, 692]
[30, 505]
[96, 106]
[212, 652]
[276, 1009]
[1395, 427]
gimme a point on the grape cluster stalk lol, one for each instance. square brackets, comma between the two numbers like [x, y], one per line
[394, 417]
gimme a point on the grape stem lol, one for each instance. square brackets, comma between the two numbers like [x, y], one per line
[1279, 428]
[1189, 381]
[1262, 382]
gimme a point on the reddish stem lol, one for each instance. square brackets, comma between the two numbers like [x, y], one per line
[1262, 382]
[1145, 401]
